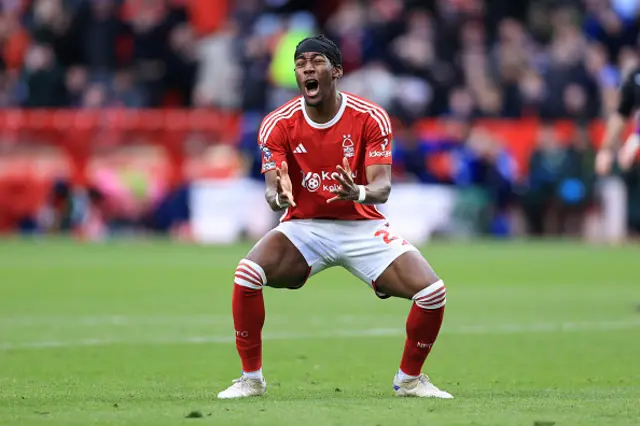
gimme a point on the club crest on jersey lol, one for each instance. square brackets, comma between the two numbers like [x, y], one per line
[347, 146]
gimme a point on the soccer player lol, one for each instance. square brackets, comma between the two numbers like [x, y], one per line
[629, 101]
[326, 156]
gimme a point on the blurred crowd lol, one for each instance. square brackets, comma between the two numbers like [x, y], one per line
[456, 60]
[106, 53]
[469, 58]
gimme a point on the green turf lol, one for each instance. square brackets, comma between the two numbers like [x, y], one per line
[141, 334]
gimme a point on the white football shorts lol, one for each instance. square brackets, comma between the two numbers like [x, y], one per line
[364, 247]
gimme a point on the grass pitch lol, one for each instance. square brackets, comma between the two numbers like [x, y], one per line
[141, 334]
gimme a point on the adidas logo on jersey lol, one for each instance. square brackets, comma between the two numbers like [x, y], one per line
[300, 149]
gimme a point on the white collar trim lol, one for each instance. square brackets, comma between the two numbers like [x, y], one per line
[334, 120]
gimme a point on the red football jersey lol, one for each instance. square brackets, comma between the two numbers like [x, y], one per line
[360, 131]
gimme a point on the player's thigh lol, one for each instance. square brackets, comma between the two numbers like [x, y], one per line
[282, 262]
[388, 263]
[406, 276]
[314, 240]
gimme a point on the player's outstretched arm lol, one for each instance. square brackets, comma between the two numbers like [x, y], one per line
[604, 159]
[629, 151]
[375, 192]
[278, 192]
[616, 124]
[379, 187]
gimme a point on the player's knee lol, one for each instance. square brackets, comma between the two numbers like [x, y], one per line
[433, 296]
[250, 275]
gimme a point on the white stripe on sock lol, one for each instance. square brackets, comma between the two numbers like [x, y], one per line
[257, 268]
[432, 297]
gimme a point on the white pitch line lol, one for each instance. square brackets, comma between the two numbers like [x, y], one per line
[114, 320]
[564, 327]
[117, 320]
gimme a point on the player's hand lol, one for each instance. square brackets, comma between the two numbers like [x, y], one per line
[349, 190]
[627, 154]
[283, 185]
[604, 160]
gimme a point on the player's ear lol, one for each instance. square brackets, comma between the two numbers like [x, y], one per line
[337, 71]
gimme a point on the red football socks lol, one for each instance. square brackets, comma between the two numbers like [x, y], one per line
[423, 326]
[248, 313]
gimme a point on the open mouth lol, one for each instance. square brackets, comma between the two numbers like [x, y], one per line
[311, 87]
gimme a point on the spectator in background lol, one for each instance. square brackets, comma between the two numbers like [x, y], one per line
[217, 80]
[95, 96]
[76, 81]
[254, 56]
[181, 63]
[485, 174]
[576, 103]
[532, 93]
[461, 104]
[511, 56]
[49, 24]
[151, 23]
[248, 146]
[423, 158]
[606, 25]
[560, 185]
[414, 62]
[126, 93]
[577, 181]
[545, 166]
[102, 31]
[42, 80]
[605, 76]
[293, 29]
[57, 215]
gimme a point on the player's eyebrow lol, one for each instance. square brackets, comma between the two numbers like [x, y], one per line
[313, 56]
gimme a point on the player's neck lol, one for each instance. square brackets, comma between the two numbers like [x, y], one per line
[325, 112]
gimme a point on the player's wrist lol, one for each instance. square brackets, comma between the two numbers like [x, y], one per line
[280, 203]
[362, 194]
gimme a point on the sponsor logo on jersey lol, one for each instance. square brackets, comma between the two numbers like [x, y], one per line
[348, 146]
[311, 181]
[315, 181]
[384, 153]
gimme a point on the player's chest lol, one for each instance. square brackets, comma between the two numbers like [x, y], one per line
[326, 145]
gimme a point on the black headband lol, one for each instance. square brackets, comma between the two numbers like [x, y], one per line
[320, 46]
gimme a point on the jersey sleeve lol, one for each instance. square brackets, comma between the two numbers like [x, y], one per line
[378, 136]
[625, 106]
[272, 143]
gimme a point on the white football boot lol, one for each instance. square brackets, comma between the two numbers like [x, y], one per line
[420, 387]
[244, 387]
